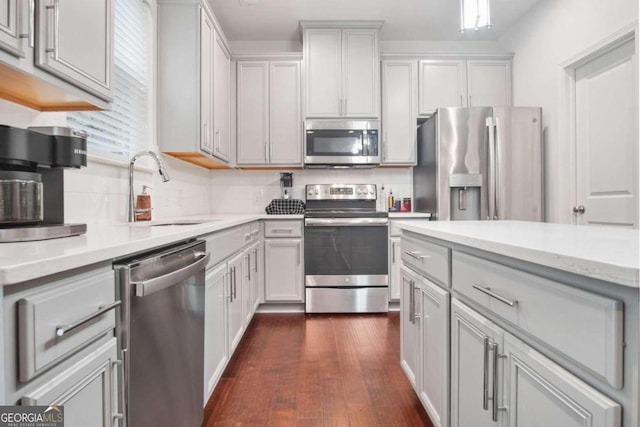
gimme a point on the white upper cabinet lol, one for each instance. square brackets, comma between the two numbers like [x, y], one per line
[489, 83]
[463, 83]
[269, 119]
[341, 70]
[75, 42]
[285, 118]
[253, 112]
[11, 31]
[206, 82]
[221, 100]
[399, 87]
[442, 84]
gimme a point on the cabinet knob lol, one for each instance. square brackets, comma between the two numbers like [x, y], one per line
[579, 209]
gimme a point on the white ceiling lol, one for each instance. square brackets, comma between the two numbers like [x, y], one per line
[409, 20]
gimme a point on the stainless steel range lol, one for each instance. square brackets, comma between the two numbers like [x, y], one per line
[345, 250]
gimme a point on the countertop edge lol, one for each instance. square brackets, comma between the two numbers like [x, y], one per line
[617, 274]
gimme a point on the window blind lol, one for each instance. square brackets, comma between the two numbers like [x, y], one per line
[122, 131]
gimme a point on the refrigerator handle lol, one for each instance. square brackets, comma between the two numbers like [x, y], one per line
[491, 191]
[496, 167]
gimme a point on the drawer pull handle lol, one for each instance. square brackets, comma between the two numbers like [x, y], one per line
[416, 255]
[282, 230]
[492, 294]
[65, 329]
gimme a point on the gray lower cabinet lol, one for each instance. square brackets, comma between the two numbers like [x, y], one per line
[216, 353]
[424, 342]
[496, 379]
[87, 390]
[75, 42]
[283, 270]
[474, 341]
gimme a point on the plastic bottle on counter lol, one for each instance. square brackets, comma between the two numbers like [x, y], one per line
[390, 200]
[382, 199]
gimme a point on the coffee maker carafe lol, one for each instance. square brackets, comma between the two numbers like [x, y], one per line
[32, 163]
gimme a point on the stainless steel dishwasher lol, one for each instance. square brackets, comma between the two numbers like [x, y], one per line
[161, 335]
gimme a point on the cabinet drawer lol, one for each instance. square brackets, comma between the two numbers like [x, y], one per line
[42, 317]
[427, 258]
[394, 229]
[283, 228]
[584, 326]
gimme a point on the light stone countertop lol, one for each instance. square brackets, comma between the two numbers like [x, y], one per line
[24, 261]
[605, 253]
[408, 215]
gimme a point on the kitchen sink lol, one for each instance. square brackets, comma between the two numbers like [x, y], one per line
[175, 222]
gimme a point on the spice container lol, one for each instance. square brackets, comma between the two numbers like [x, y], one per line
[406, 205]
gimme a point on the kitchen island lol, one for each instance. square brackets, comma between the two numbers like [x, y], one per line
[504, 321]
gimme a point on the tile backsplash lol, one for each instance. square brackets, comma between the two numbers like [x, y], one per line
[251, 191]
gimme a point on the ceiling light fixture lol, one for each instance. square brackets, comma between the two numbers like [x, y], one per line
[474, 14]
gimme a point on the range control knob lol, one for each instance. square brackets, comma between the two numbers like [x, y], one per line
[316, 192]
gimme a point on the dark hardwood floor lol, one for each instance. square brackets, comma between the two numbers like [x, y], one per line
[317, 370]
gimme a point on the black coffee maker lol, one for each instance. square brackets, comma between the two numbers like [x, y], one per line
[32, 163]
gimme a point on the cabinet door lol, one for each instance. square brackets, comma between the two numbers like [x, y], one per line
[221, 100]
[360, 79]
[75, 42]
[322, 56]
[433, 383]
[399, 85]
[247, 286]
[283, 270]
[395, 261]
[235, 316]
[253, 112]
[489, 83]
[442, 84]
[11, 31]
[215, 327]
[206, 82]
[285, 120]
[257, 274]
[88, 390]
[542, 391]
[409, 327]
[472, 374]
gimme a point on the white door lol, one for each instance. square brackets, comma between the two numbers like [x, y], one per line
[395, 280]
[283, 270]
[253, 112]
[285, 118]
[433, 384]
[221, 100]
[489, 83]
[360, 65]
[472, 340]
[235, 317]
[541, 393]
[442, 84]
[409, 327]
[11, 31]
[607, 139]
[323, 57]
[76, 42]
[257, 274]
[206, 82]
[399, 86]
[215, 328]
[247, 285]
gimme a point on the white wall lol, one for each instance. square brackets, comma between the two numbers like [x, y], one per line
[98, 192]
[251, 191]
[550, 34]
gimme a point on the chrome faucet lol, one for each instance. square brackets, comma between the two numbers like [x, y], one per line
[162, 170]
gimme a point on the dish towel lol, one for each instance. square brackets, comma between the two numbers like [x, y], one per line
[285, 207]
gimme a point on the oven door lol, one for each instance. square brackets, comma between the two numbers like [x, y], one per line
[341, 147]
[346, 252]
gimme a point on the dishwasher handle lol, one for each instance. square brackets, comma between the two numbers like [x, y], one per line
[148, 287]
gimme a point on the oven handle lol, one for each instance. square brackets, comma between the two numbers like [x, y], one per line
[345, 222]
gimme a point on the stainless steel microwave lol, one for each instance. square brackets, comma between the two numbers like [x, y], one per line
[342, 143]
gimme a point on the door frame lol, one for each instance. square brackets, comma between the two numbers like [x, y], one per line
[567, 115]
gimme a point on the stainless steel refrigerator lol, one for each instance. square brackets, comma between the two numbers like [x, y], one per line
[481, 163]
